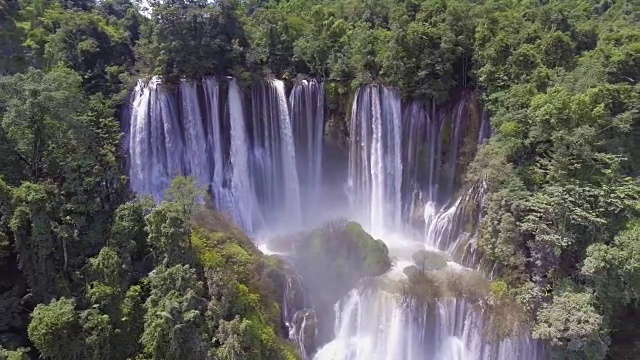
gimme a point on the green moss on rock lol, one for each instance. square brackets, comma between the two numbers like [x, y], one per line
[342, 250]
[332, 260]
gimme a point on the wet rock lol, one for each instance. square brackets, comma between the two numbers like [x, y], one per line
[447, 282]
[391, 285]
[426, 260]
[411, 270]
[288, 288]
[337, 255]
[305, 328]
[283, 243]
[416, 214]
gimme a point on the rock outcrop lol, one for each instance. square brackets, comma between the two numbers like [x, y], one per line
[331, 260]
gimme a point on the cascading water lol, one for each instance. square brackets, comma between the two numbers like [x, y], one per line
[261, 158]
[172, 134]
[291, 190]
[222, 194]
[156, 146]
[307, 118]
[438, 144]
[375, 165]
[201, 131]
[275, 175]
[375, 323]
[240, 179]
[196, 155]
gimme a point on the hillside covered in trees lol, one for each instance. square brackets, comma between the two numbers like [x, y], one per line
[88, 270]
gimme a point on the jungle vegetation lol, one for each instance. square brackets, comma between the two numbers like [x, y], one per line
[89, 271]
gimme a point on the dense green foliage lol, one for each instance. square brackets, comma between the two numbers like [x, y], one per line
[88, 272]
[561, 170]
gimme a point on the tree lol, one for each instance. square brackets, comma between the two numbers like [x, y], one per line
[614, 270]
[40, 116]
[231, 337]
[128, 233]
[110, 279]
[185, 193]
[322, 45]
[572, 324]
[168, 226]
[95, 46]
[98, 331]
[272, 35]
[42, 255]
[19, 354]
[55, 330]
[193, 38]
[174, 322]
[131, 323]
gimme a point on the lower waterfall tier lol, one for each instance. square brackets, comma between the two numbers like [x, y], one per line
[373, 324]
[426, 306]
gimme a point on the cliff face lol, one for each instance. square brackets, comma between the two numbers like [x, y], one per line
[12, 55]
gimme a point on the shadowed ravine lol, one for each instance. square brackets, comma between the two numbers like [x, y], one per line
[260, 155]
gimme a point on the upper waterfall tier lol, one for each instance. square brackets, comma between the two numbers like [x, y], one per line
[307, 117]
[261, 154]
[242, 147]
[407, 160]
[273, 151]
[375, 165]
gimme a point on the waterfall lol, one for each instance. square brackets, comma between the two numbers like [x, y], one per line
[175, 133]
[299, 319]
[222, 196]
[307, 118]
[241, 184]
[388, 329]
[242, 149]
[275, 174]
[195, 154]
[260, 155]
[421, 170]
[156, 146]
[139, 147]
[485, 128]
[375, 166]
[291, 189]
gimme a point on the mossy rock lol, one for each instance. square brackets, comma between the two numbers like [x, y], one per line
[339, 247]
[332, 259]
[319, 268]
[426, 260]
[344, 249]
[388, 284]
[289, 287]
[429, 286]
